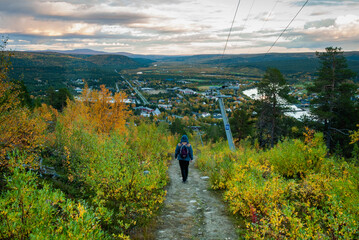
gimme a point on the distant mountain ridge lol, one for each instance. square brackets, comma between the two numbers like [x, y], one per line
[39, 70]
[86, 51]
[69, 59]
[286, 62]
[82, 51]
[42, 69]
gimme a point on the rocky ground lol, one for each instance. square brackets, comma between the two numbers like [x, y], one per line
[191, 210]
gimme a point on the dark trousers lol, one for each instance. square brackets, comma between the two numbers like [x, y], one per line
[184, 169]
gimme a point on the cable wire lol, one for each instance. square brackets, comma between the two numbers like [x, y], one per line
[249, 12]
[287, 26]
[230, 30]
[269, 14]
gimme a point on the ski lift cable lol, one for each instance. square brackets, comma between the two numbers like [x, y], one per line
[269, 14]
[287, 26]
[230, 30]
[244, 25]
[249, 13]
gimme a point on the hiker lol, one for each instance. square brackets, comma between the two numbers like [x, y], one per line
[184, 153]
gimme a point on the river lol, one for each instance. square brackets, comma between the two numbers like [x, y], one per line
[297, 112]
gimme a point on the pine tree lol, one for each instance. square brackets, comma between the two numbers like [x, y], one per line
[241, 124]
[273, 89]
[333, 91]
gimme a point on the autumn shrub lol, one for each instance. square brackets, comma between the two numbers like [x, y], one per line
[216, 161]
[32, 209]
[120, 170]
[295, 158]
[292, 191]
[121, 174]
[21, 128]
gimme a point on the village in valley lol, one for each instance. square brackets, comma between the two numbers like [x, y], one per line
[192, 101]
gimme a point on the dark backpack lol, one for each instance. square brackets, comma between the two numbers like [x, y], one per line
[184, 151]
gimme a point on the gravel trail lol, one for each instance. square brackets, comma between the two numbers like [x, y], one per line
[191, 210]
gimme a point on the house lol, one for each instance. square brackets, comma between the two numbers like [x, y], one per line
[156, 112]
[165, 106]
[144, 109]
[217, 116]
[144, 114]
[78, 90]
[172, 89]
[187, 91]
[205, 114]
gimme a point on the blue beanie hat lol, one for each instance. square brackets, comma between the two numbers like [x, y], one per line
[184, 138]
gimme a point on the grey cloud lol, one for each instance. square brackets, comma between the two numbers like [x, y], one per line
[322, 23]
[324, 3]
[36, 38]
[124, 3]
[124, 18]
[31, 8]
[315, 41]
[319, 13]
[146, 3]
[18, 7]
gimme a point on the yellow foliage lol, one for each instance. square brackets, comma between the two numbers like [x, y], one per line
[355, 136]
[99, 110]
[292, 191]
[20, 128]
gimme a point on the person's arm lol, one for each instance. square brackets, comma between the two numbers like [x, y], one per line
[191, 153]
[177, 151]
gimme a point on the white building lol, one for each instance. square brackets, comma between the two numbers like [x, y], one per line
[205, 114]
[156, 112]
[165, 106]
[78, 90]
[187, 91]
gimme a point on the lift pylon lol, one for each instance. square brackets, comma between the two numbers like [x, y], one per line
[227, 127]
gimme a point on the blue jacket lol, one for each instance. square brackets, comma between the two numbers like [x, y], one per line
[177, 152]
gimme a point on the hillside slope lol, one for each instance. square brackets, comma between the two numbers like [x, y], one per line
[41, 70]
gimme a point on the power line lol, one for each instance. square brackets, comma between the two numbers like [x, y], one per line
[244, 25]
[287, 26]
[249, 12]
[230, 30]
[265, 21]
[269, 14]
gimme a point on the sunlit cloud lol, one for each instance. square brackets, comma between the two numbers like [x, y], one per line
[178, 26]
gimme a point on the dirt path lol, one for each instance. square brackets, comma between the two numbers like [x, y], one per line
[191, 211]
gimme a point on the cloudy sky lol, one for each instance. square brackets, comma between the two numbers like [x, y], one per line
[179, 26]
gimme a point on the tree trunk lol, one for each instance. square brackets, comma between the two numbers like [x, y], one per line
[327, 133]
[273, 123]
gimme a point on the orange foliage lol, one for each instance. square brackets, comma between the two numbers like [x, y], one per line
[99, 110]
[20, 128]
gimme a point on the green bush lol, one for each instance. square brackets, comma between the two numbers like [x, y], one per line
[32, 209]
[292, 191]
[295, 158]
[122, 175]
